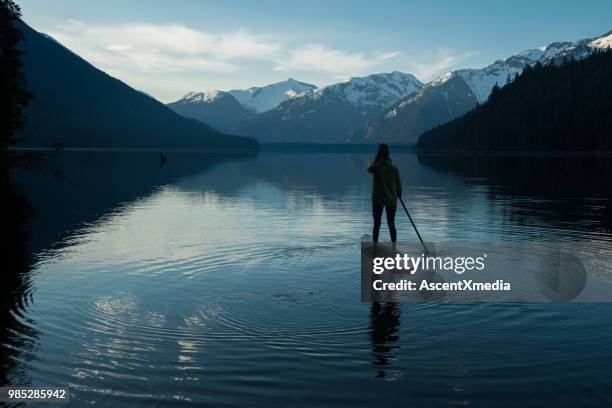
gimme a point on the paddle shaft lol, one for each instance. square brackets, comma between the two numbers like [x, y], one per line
[413, 225]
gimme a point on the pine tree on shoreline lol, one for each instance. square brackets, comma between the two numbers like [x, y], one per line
[13, 94]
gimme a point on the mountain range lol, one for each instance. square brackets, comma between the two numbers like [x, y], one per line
[330, 114]
[226, 110]
[293, 111]
[548, 107]
[458, 92]
[392, 107]
[77, 105]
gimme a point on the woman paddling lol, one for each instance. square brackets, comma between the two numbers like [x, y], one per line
[386, 188]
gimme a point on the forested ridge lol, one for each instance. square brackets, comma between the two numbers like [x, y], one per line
[554, 107]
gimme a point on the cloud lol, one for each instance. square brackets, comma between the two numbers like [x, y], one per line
[170, 59]
[318, 57]
[437, 62]
[388, 55]
[162, 48]
[119, 47]
[127, 49]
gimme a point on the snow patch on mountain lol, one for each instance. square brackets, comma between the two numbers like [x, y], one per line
[482, 81]
[376, 91]
[554, 49]
[203, 97]
[602, 42]
[415, 96]
[261, 99]
[369, 93]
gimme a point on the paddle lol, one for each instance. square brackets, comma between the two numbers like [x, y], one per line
[413, 225]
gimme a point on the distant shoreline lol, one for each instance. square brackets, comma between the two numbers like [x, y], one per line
[326, 148]
[137, 149]
[303, 147]
[516, 153]
[331, 147]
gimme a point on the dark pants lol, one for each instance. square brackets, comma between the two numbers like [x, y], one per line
[377, 211]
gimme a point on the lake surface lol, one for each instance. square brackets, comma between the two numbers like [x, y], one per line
[234, 281]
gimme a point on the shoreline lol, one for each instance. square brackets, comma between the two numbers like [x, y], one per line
[322, 148]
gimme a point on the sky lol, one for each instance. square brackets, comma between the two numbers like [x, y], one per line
[169, 48]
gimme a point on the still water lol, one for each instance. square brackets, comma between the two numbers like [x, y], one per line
[234, 281]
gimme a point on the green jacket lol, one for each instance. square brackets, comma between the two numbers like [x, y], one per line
[386, 186]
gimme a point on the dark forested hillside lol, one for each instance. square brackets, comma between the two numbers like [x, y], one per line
[13, 94]
[78, 105]
[552, 107]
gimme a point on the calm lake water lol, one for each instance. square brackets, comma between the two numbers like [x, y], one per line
[234, 281]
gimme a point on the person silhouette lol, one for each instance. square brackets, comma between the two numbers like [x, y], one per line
[386, 188]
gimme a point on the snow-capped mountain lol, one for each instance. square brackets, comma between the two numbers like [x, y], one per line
[261, 99]
[441, 102]
[217, 108]
[203, 97]
[372, 92]
[602, 42]
[446, 97]
[393, 107]
[481, 81]
[225, 110]
[331, 114]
